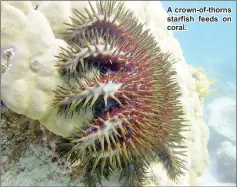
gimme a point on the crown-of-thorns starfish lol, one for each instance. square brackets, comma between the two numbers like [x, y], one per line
[136, 117]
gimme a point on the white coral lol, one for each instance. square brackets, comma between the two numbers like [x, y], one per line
[27, 87]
